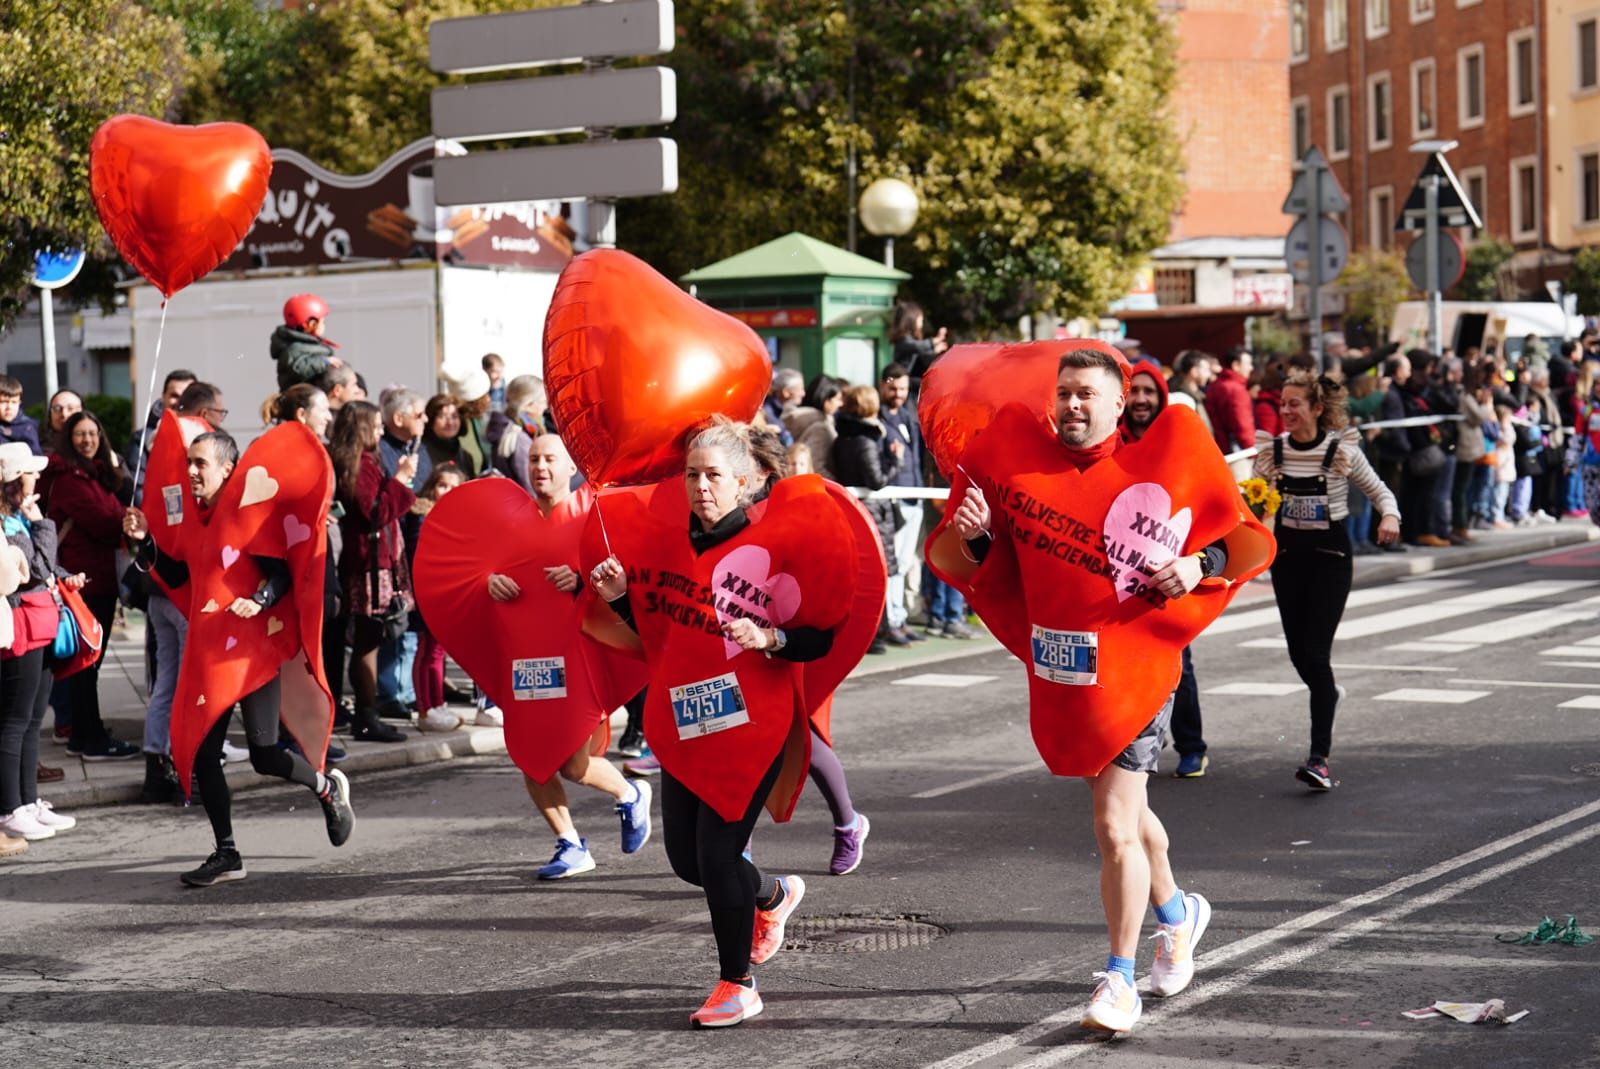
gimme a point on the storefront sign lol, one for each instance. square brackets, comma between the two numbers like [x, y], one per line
[776, 318]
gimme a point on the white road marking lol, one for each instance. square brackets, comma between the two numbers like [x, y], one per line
[1352, 666]
[1277, 643]
[978, 781]
[1570, 664]
[1532, 683]
[938, 679]
[1433, 697]
[1423, 615]
[1263, 690]
[1511, 627]
[1208, 990]
[1587, 701]
[1249, 618]
[1571, 651]
[1434, 647]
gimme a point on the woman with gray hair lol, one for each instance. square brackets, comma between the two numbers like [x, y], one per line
[513, 430]
[725, 607]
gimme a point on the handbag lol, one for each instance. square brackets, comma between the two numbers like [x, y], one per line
[88, 635]
[394, 618]
[1425, 462]
[66, 644]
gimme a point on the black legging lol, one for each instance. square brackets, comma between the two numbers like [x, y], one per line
[705, 850]
[83, 689]
[260, 709]
[24, 692]
[1311, 580]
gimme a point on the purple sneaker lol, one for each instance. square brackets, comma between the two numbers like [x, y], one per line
[847, 844]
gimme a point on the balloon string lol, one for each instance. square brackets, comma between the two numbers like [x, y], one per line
[603, 535]
[138, 465]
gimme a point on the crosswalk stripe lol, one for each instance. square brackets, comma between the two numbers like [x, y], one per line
[1251, 618]
[1423, 695]
[1520, 626]
[1263, 690]
[1586, 701]
[1422, 615]
[938, 679]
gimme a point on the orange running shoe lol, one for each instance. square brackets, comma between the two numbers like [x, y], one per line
[729, 1004]
[767, 937]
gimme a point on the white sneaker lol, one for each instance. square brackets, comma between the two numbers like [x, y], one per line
[232, 755]
[1115, 1006]
[490, 717]
[1541, 516]
[46, 814]
[438, 719]
[22, 824]
[1175, 943]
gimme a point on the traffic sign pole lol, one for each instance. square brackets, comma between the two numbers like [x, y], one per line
[1314, 302]
[1431, 236]
[47, 327]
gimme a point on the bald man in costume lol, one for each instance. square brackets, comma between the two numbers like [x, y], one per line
[1096, 559]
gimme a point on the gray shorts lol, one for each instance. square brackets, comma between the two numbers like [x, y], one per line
[1143, 752]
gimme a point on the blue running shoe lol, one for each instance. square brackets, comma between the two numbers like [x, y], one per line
[1191, 766]
[635, 817]
[570, 859]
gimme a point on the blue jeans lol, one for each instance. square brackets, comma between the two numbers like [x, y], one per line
[169, 627]
[945, 602]
[394, 670]
[1359, 522]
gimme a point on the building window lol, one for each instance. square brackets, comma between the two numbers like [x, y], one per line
[1381, 217]
[1335, 24]
[1300, 111]
[1525, 198]
[1380, 124]
[1421, 9]
[1299, 30]
[1522, 77]
[1589, 187]
[1588, 70]
[1475, 184]
[1339, 122]
[1469, 86]
[1377, 18]
[1174, 285]
[1424, 98]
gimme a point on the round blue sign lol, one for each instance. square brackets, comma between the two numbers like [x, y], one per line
[52, 270]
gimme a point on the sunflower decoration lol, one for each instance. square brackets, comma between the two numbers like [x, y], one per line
[1259, 495]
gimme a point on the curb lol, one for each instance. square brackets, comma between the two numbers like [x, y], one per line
[1372, 570]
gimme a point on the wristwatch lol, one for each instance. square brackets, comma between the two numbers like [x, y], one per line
[779, 640]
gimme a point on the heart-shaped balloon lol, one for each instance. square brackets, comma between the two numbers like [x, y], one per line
[970, 383]
[632, 363]
[177, 200]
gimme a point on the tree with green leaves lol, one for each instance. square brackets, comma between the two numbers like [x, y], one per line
[66, 66]
[1374, 283]
[1583, 280]
[1487, 276]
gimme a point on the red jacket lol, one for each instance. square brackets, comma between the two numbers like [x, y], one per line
[390, 500]
[89, 544]
[1269, 416]
[1228, 405]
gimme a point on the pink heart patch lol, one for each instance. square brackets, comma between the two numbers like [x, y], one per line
[228, 645]
[1142, 533]
[743, 588]
[294, 532]
[229, 555]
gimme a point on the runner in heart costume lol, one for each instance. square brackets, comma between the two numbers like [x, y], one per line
[1095, 562]
[253, 570]
[507, 610]
[728, 602]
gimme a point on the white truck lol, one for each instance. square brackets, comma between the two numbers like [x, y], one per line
[1464, 324]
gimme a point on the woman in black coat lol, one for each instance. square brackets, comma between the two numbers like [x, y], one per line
[860, 459]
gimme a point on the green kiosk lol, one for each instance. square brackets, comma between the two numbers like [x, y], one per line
[819, 308]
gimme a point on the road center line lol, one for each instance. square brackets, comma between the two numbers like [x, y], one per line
[1250, 944]
[978, 781]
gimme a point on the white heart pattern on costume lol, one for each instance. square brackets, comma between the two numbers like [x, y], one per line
[229, 555]
[258, 487]
[1142, 533]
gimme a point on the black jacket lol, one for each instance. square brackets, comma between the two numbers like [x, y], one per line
[859, 459]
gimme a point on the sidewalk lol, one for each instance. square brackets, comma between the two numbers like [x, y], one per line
[122, 694]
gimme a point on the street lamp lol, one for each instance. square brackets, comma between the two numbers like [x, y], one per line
[889, 209]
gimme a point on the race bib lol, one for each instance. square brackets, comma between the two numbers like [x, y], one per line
[172, 501]
[1069, 657]
[539, 678]
[1307, 512]
[708, 706]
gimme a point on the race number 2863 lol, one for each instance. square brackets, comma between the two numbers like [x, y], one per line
[539, 678]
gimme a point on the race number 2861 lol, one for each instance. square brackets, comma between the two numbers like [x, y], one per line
[1069, 657]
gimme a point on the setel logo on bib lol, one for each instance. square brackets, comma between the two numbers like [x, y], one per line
[708, 706]
[539, 678]
[1070, 657]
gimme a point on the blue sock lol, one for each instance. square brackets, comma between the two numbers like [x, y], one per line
[1121, 965]
[1173, 912]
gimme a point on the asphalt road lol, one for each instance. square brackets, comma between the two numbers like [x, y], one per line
[426, 942]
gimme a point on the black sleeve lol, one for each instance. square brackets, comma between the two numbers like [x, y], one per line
[979, 547]
[149, 558]
[1215, 558]
[805, 644]
[277, 581]
[624, 610]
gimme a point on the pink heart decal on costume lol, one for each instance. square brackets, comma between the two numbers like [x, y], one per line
[229, 555]
[294, 532]
[1142, 532]
[228, 645]
[744, 589]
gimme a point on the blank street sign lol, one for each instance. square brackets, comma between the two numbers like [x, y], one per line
[529, 107]
[640, 168]
[517, 39]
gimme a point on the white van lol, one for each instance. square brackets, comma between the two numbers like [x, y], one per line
[1463, 324]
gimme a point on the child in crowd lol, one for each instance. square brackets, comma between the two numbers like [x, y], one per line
[1505, 466]
[427, 671]
[14, 425]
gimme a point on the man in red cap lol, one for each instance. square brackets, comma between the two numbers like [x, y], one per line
[298, 345]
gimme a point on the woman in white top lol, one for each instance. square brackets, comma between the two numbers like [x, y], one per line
[1312, 465]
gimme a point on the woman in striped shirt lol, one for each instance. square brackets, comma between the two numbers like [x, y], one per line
[1312, 465]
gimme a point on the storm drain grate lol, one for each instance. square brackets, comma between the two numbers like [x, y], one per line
[859, 934]
[1587, 770]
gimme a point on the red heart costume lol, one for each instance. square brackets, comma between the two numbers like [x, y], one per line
[555, 685]
[1064, 584]
[167, 503]
[795, 565]
[275, 505]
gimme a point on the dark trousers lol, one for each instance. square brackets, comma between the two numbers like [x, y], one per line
[705, 850]
[259, 709]
[1311, 581]
[1186, 734]
[83, 689]
[22, 706]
